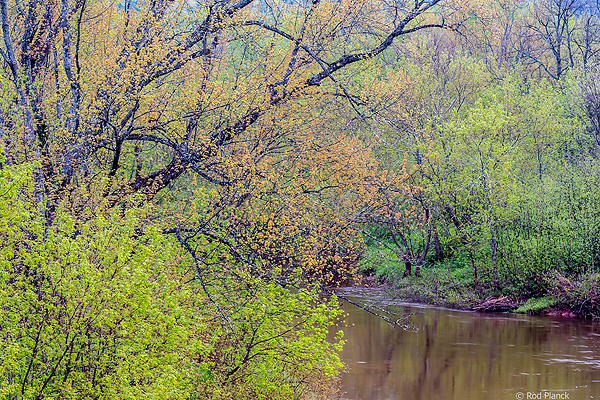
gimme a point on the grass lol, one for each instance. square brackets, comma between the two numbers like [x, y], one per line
[537, 305]
[450, 283]
[447, 284]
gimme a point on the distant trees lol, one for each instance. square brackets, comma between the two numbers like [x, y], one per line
[478, 137]
[560, 35]
[549, 37]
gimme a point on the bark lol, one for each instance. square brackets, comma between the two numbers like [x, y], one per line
[408, 268]
[23, 100]
[424, 253]
[493, 245]
[151, 184]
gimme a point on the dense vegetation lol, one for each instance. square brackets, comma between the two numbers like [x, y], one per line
[180, 180]
[502, 155]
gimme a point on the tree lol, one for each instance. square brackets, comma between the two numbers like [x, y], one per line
[207, 114]
[188, 79]
[561, 35]
[218, 94]
[408, 222]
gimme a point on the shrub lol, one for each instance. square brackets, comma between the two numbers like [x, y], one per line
[103, 307]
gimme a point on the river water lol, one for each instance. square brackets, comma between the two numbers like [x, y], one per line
[466, 355]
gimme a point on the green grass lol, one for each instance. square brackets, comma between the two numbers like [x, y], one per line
[535, 306]
[439, 286]
[381, 262]
[448, 283]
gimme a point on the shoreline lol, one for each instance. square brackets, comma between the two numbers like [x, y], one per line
[499, 304]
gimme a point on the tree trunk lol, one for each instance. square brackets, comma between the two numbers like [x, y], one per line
[408, 269]
[493, 245]
[437, 245]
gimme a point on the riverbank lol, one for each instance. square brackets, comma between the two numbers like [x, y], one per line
[438, 285]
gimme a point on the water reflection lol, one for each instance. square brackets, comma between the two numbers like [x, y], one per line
[463, 355]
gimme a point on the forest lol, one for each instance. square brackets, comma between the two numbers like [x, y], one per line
[181, 182]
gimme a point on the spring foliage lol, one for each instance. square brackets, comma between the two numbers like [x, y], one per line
[175, 193]
[104, 309]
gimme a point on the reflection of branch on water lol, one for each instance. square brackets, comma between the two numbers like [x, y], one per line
[403, 321]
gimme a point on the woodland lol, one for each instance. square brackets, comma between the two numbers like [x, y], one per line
[182, 181]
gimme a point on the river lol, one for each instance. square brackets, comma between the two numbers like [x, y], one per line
[466, 355]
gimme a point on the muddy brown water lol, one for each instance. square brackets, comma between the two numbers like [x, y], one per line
[466, 355]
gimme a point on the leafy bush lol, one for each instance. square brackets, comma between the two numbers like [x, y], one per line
[581, 294]
[104, 308]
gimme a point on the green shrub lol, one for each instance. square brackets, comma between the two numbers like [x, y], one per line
[103, 307]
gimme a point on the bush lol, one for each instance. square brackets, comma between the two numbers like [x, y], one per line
[103, 307]
[581, 294]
